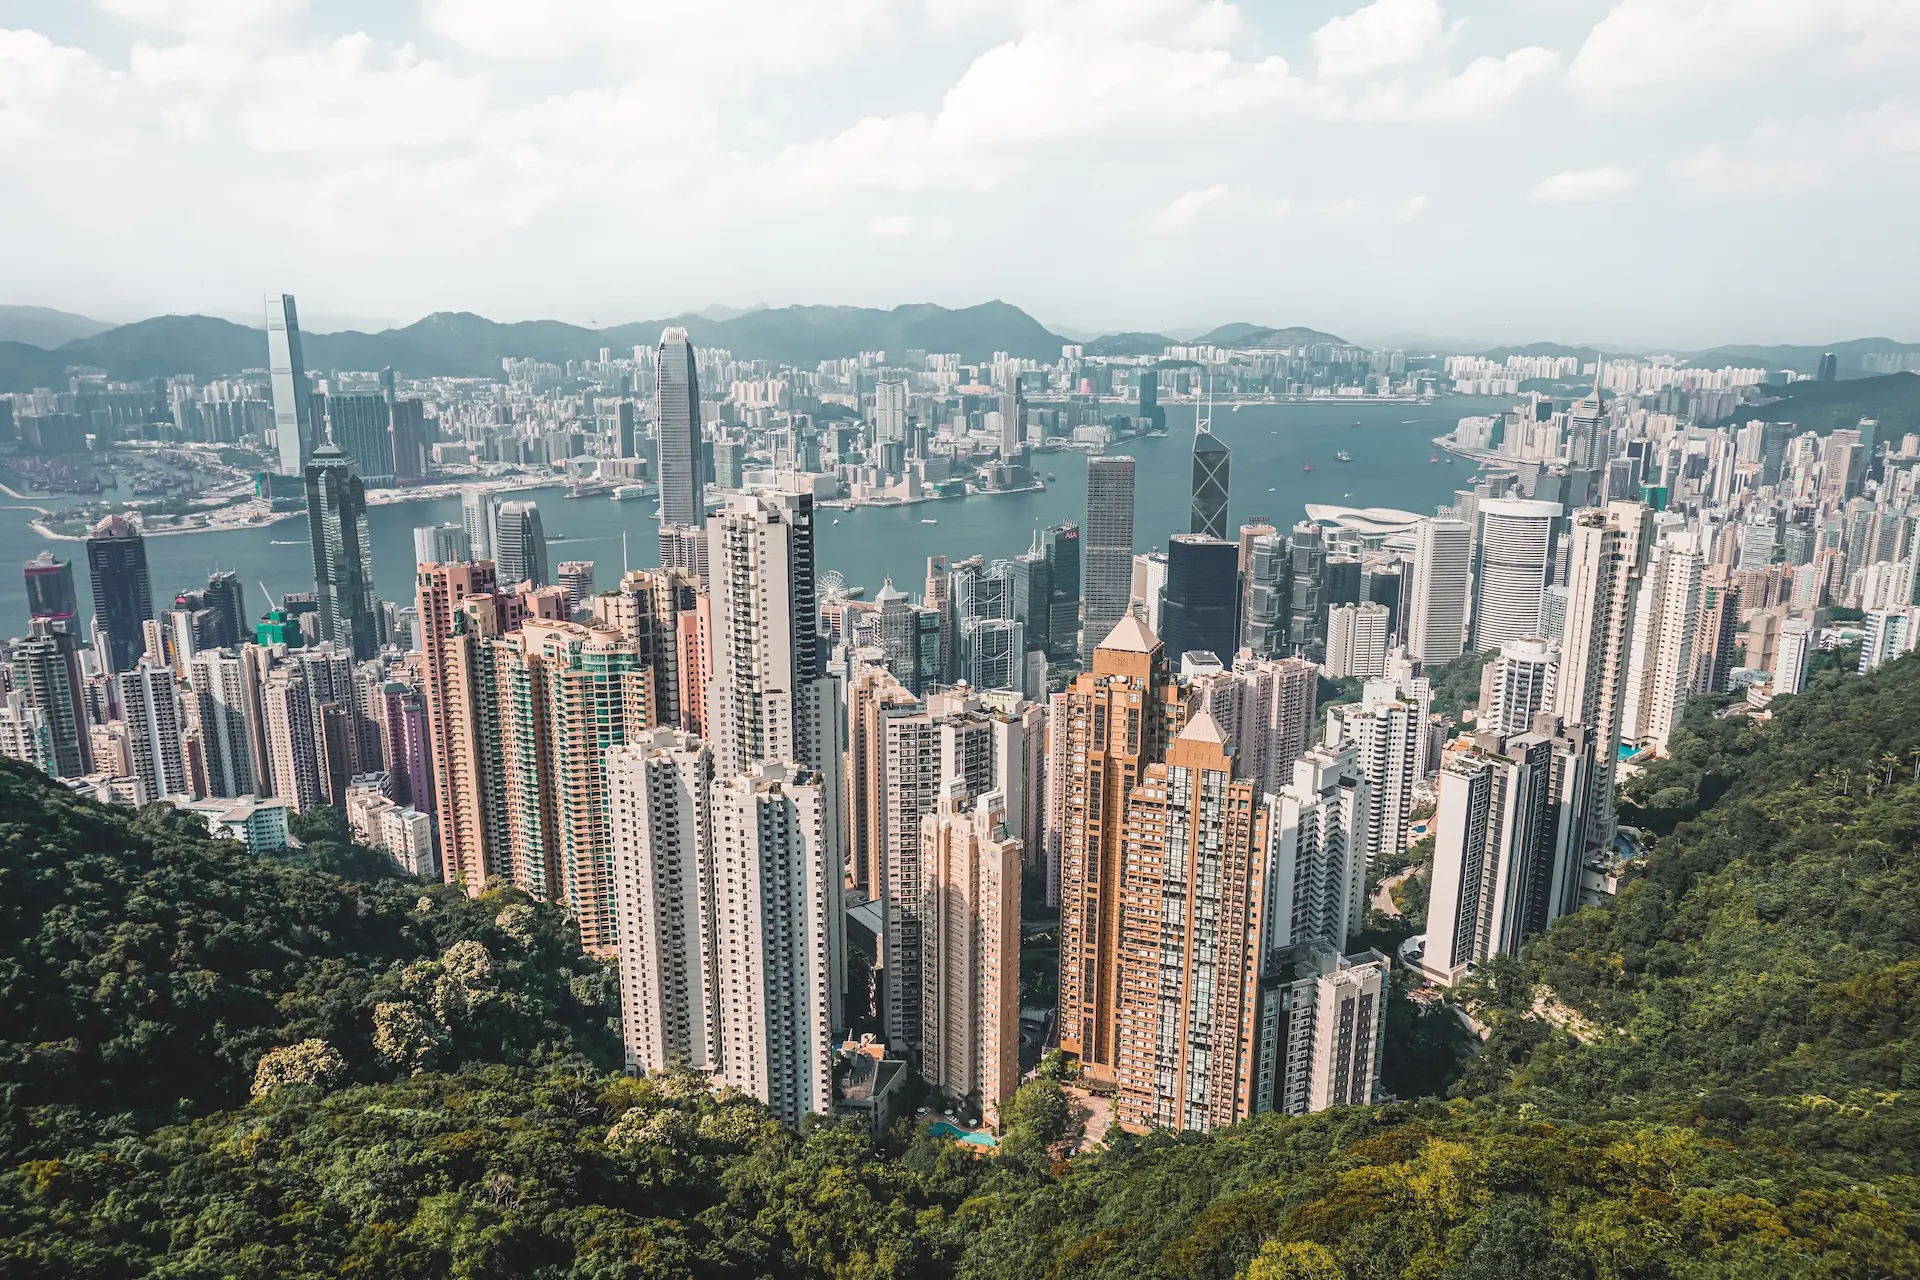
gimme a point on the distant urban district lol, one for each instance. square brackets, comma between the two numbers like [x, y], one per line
[1386, 848]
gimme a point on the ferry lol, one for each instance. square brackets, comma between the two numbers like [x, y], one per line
[1344, 456]
[628, 492]
[278, 543]
[929, 522]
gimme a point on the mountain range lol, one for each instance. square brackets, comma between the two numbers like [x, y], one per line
[39, 345]
[461, 344]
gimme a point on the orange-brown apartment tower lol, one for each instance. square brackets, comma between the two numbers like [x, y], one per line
[1119, 718]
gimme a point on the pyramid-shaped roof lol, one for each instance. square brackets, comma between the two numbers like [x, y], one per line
[1131, 636]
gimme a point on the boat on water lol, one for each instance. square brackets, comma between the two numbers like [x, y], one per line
[836, 519]
[1343, 456]
[1051, 477]
[929, 522]
[278, 543]
[1434, 458]
[1308, 467]
[628, 492]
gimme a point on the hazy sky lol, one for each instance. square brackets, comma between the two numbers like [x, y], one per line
[1673, 172]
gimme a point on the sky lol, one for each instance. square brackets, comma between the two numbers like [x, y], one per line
[1635, 173]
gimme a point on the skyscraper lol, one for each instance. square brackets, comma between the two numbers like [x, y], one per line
[1515, 554]
[1306, 601]
[150, 708]
[1211, 460]
[1357, 641]
[342, 551]
[1200, 612]
[970, 957]
[1518, 684]
[122, 593]
[1715, 634]
[1510, 836]
[441, 544]
[293, 433]
[1665, 623]
[1106, 547]
[1268, 595]
[50, 592]
[576, 579]
[1442, 569]
[769, 695]
[225, 690]
[1196, 1025]
[565, 695]
[659, 794]
[890, 410]
[1062, 543]
[477, 517]
[46, 672]
[1608, 554]
[1118, 718]
[1013, 416]
[458, 616]
[676, 423]
[412, 443]
[520, 544]
[779, 963]
[362, 425]
[1033, 595]
[1386, 736]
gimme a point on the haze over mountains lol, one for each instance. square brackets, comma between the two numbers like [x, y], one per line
[38, 344]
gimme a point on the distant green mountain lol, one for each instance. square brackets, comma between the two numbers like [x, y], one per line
[1548, 350]
[1892, 400]
[1119, 345]
[44, 327]
[1803, 359]
[461, 344]
[1243, 334]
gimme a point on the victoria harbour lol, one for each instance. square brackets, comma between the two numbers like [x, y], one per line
[1273, 446]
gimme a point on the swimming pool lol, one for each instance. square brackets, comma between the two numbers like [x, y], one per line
[978, 1138]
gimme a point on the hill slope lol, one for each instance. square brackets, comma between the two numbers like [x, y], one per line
[45, 327]
[1893, 400]
[146, 968]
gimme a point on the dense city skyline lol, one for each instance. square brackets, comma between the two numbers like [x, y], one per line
[796, 818]
[956, 150]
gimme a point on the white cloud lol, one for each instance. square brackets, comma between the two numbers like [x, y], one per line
[1042, 90]
[1585, 184]
[1180, 215]
[1788, 157]
[812, 150]
[212, 19]
[1643, 44]
[1483, 89]
[1385, 34]
[712, 39]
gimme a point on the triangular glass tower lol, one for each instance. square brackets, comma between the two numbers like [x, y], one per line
[1210, 462]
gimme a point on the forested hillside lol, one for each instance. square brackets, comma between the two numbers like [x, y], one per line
[1713, 1077]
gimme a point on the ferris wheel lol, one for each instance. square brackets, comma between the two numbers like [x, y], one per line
[833, 585]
